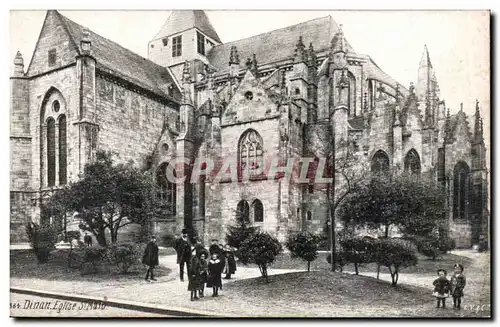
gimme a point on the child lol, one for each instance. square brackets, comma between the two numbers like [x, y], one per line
[194, 277]
[441, 287]
[215, 267]
[203, 273]
[457, 285]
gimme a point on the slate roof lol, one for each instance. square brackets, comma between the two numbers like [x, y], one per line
[115, 59]
[181, 20]
[277, 45]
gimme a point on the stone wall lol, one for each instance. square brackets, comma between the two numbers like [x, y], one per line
[130, 124]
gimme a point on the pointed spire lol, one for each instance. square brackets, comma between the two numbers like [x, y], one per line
[313, 59]
[248, 63]
[339, 42]
[461, 106]
[447, 127]
[425, 60]
[18, 64]
[300, 54]
[234, 57]
[283, 83]
[412, 88]
[186, 73]
[254, 67]
[478, 124]
[86, 43]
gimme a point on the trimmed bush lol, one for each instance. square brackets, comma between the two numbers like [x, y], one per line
[91, 256]
[124, 255]
[42, 240]
[305, 246]
[237, 234]
[395, 254]
[261, 249]
[358, 250]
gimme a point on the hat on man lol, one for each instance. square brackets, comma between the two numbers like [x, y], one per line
[457, 265]
[439, 270]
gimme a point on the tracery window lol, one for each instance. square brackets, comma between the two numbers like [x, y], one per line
[258, 211]
[63, 161]
[243, 211]
[461, 183]
[412, 162]
[168, 190]
[380, 163]
[250, 151]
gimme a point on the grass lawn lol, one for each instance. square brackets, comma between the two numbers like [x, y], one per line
[23, 264]
[329, 294]
[424, 266]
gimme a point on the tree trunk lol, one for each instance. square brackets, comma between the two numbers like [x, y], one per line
[308, 266]
[114, 235]
[101, 237]
[356, 268]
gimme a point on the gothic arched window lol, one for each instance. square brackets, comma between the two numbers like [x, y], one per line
[168, 189]
[53, 140]
[250, 151]
[243, 211]
[258, 211]
[412, 162]
[461, 182]
[63, 161]
[380, 163]
[51, 152]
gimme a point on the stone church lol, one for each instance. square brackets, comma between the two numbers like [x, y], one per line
[273, 94]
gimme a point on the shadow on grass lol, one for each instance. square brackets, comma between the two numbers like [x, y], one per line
[23, 264]
[331, 294]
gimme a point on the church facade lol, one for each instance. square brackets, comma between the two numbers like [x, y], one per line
[271, 95]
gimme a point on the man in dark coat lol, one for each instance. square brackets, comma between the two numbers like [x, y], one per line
[200, 248]
[230, 262]
[87, 239]
[150, 258]
[183, 249]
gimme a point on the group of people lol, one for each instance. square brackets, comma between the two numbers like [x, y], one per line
[444, 288]
[204, 267]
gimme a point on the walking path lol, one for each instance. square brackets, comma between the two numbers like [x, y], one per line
[170, 291]
[167, 291]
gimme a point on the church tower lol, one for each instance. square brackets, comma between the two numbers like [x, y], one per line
[186, 35]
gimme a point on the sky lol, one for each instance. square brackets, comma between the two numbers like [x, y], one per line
[458, 41]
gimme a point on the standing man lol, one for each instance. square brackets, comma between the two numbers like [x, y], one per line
[183, 249]
[87, 239]
[150, 258]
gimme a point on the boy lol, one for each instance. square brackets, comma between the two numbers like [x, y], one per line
[457, 285]
[203, 273]
[441, 287]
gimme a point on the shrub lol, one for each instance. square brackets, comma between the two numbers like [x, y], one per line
[446, 244]
[237, 234]
[124, 255]
[358, 250]
[304, 246]
[42, 240]
[92, 256]
[168, 240]
[428, 246]
[261, 249]
[395, 255]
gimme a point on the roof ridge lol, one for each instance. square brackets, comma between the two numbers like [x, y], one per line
[63, 20]
[126, 49]
[281, 28]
